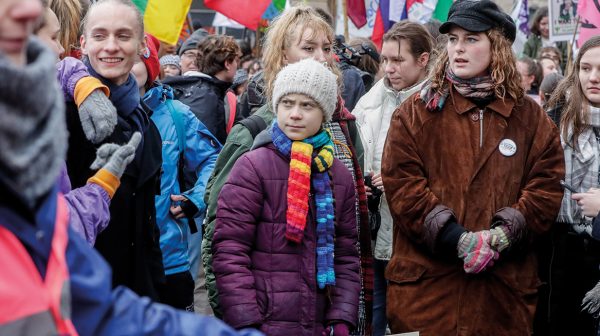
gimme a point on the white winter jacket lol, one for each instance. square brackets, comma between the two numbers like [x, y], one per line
[373, 114]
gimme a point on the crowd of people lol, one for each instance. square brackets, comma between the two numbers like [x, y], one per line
[439, 184]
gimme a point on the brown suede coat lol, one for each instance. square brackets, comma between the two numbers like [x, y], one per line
[434, 169]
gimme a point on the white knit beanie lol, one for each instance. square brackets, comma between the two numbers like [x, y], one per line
[310, 78]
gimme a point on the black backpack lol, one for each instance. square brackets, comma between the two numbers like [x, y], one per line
[255, 124]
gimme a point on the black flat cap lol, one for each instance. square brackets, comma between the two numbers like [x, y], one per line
[479, 16]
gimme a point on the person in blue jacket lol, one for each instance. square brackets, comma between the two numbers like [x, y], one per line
[189, 153]
[68, 285]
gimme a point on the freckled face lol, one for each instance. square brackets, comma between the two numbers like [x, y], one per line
[469, 53]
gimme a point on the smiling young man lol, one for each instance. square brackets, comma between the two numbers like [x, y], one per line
[111, 42]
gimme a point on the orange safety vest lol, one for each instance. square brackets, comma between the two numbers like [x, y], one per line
[30, 305]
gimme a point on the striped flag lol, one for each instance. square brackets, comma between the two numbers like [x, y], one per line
[164, 18]
[419, 11]
[441, 10]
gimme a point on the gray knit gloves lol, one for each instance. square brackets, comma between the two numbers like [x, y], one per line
[115, 158]
[98, 116]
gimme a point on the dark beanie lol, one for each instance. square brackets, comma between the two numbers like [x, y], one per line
[550, 82]
[193, 41]
[479, 16]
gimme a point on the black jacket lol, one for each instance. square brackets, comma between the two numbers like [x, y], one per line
[354, 87]
[130, 243]
[255, 96]
[555, 114]
[205, 96]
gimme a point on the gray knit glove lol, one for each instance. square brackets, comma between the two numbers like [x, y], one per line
[98, 116]
[115, 158]
[591, 301]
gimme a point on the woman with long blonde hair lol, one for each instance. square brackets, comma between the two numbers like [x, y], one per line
[471, 169]
[297, 34]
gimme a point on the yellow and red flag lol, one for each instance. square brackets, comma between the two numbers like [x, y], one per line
[164, 18]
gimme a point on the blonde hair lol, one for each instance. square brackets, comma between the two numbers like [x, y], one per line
[286, 29]
[68, 13]
[503, 69]
[127, 3]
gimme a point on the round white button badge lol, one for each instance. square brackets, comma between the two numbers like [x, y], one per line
[507, 147]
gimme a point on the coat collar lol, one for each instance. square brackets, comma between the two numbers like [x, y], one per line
[461, 104]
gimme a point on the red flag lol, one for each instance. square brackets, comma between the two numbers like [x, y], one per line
[589, 13]
[378, 30]
[246, 12]
[357, 12]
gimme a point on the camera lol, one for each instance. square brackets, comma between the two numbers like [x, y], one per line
[375, 192]
[350, 55]
[373, 203]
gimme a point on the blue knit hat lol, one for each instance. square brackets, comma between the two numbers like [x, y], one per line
[241, 76]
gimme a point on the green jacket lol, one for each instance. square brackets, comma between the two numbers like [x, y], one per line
[239, 141]
[533, 46]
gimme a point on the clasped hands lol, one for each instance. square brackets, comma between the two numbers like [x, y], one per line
[479, 250]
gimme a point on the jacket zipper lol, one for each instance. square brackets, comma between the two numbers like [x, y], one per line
[480, 128]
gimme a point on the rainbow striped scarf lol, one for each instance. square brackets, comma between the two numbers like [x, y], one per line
[302, 164]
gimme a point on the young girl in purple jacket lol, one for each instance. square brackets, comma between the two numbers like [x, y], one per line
[285, 256]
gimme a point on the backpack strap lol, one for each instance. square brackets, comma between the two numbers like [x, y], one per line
[179, 127]
[180, 130]
[232, 103]
[255, 124]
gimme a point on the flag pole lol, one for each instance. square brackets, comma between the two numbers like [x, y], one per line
[570, 45]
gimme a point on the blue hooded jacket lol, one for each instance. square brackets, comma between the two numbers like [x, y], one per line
[96, 308]
[201, 149]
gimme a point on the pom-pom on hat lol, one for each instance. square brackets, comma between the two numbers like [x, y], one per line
[479, 16]
[310, 78]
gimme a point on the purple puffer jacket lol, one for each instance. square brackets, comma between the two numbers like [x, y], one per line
[262, 278]
[88, 207]
[68, 72]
